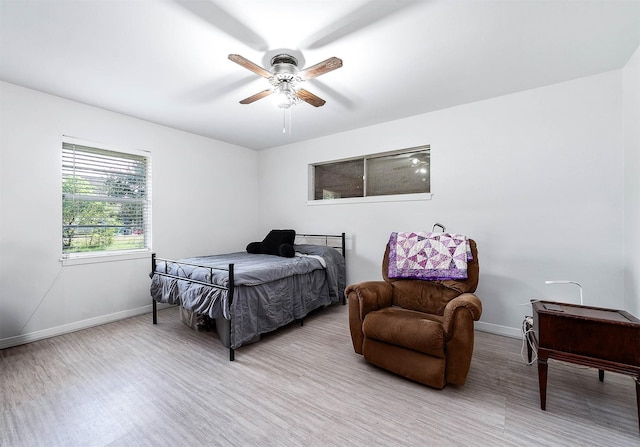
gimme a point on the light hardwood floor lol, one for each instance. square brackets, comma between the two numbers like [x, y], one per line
[130, 383]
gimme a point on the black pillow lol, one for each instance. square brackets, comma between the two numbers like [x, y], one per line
[254, 248]
[286, 251]
[277, 242]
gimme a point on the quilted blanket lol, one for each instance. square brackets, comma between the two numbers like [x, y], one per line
[428, 256]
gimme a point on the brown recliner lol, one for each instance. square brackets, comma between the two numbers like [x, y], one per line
[422, 330]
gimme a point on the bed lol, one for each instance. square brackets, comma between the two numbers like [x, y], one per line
[248, 294]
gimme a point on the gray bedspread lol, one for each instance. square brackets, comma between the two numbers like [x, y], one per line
[269, 291]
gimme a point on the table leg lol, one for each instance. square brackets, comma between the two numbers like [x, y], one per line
[542, 377]
[638, 398]
[601, 375]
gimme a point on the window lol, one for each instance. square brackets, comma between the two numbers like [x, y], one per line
[395, 173]
[339, 180]
[105, 200]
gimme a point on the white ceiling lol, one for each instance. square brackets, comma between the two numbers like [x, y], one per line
[165, 61]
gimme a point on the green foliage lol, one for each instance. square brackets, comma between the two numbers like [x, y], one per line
[87, 225]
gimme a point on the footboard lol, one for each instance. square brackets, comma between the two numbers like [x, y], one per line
[229, 288]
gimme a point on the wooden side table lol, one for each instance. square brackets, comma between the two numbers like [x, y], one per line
[606, 339]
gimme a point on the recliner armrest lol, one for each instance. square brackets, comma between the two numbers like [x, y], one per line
[363, 298]
[466, 301]
[371, 295]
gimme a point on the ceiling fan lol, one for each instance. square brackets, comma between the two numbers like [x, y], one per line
[285, 76]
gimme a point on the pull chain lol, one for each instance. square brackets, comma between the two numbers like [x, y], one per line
[284, 119]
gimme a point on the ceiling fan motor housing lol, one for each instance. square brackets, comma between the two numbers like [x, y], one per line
[284, 68]
[283, 59]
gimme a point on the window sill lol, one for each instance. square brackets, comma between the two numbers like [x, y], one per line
[372, 199]
[93, 258]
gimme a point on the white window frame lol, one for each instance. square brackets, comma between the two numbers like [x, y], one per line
[111, 255]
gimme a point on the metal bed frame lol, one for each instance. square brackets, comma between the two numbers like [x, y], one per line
[230, 288]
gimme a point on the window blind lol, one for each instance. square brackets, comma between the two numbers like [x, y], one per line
[105, 204]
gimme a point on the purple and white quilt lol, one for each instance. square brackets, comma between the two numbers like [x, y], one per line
[428, 256]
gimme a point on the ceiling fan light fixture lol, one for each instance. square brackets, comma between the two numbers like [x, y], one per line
[285, 95]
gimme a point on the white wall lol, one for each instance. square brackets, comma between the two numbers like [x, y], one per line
[536, 178]
[204, 201]
[631, 129]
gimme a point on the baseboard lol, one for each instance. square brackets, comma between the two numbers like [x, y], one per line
[72, 327]
[498, 330]
[104, 319]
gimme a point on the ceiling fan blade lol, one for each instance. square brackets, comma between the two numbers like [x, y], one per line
[335, 95]
[321, 68]
[310, 98]
[369, 13]
[225, 22]
[246, 63]
[257, 96]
